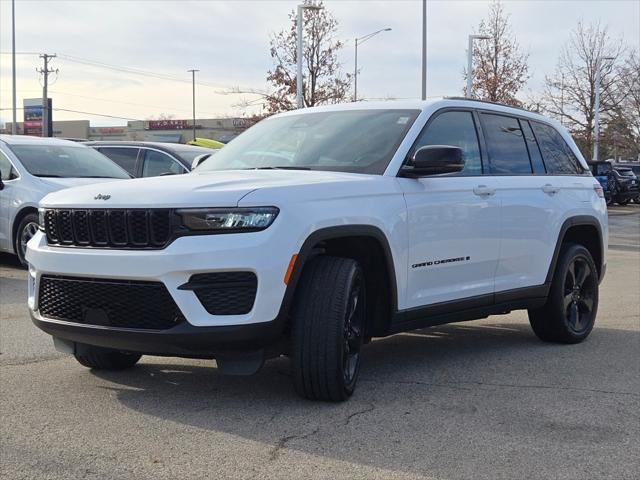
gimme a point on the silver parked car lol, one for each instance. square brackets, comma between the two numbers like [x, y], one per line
[30, 168]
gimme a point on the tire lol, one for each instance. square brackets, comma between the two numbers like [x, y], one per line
[609, 200]
[27, 228]
[622, 201]
[572, 305]
[328, 329]
[103, 358]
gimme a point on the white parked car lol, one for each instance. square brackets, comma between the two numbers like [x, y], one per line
[318, 229]
[31, 167]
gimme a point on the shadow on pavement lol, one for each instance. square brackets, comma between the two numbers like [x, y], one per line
[426, 401]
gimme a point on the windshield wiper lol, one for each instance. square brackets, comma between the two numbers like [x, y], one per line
[94, 176]
[281, 168]
[45, 175]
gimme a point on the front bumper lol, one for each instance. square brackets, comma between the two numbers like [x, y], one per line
[202, 334]
[183, 340]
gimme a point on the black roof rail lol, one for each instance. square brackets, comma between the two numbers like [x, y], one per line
[487, 101]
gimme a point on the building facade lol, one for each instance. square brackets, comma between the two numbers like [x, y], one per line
[173, 131]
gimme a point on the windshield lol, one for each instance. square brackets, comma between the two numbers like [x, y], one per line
[625, 172]
[358, 141]
[66, 161]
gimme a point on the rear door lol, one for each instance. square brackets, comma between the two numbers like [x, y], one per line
[453, 220]
[531, 202]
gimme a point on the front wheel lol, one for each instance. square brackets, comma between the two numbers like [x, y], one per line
[100, 358]
[328, 328]
[572, 304]
[622, 201]
[27, 228]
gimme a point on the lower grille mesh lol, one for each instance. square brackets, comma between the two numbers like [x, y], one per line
[115, 303]
[225, 293]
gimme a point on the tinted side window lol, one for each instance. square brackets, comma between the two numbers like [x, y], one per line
[534, 150]
[456, 129]
[505, 145]
[158, 163]
[125, 157]
[6, 169]
[557, 155]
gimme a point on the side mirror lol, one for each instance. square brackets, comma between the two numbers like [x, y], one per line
[434, 160]
[199, 159]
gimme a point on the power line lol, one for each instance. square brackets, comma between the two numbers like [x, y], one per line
[86, 113]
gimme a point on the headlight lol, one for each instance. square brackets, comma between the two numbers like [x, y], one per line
[228, 220]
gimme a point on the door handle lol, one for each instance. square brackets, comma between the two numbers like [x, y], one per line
[550, 189]
[484, 191]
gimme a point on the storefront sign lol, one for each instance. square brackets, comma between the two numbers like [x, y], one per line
[169, 124]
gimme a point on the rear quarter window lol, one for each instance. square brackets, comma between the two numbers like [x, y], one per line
[558, 157]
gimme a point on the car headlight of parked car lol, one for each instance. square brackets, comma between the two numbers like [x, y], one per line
[228, 220]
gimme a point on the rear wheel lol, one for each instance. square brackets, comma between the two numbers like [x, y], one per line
[104, 358]
[570, 311]
[328, 328]
[27, 228]
[622, 200]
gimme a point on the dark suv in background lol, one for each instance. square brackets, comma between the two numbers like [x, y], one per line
[151, 159]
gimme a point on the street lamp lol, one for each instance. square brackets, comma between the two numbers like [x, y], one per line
[361, 40]
[301, 8]
[13, 65]
[596, 133]
[470, 61]
[193, 95]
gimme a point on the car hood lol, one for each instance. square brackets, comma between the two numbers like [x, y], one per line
[197, 189]
[55, 183]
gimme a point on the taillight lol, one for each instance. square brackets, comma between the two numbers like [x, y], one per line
[598, 189]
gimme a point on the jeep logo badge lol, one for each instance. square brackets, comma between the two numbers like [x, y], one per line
[102, 197]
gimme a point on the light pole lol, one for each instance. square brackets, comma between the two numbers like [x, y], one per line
[14, 127]
[596, 133]
[470, 61]
[301, 8]
[424, 49]
[193, 95]
[360, 41]
[560, 85]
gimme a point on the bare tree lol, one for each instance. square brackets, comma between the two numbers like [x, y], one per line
[569, 93]
[500, 69]
[323, 81]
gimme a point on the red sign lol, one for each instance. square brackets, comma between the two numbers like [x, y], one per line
[169, 124]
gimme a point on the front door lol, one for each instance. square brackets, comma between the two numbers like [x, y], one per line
[453, 220]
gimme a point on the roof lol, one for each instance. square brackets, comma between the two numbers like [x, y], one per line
[423, 105]
[29, 140]
[172, 147]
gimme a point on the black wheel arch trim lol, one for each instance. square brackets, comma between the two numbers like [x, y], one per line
[579, 220]
[307, 252]
[16, 223]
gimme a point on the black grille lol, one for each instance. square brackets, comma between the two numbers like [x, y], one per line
[115, 303]
[224, 293]
[109, 228]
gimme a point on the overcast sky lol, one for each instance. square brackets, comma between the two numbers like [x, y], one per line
[228, 40]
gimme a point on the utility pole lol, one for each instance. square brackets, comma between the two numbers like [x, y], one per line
[193, 94]
[424, 49]
[14, 127]
[45, 99]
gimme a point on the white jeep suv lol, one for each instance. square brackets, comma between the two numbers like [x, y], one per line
[318, 229]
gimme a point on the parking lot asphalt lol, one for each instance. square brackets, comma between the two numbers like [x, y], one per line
[475, 400]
